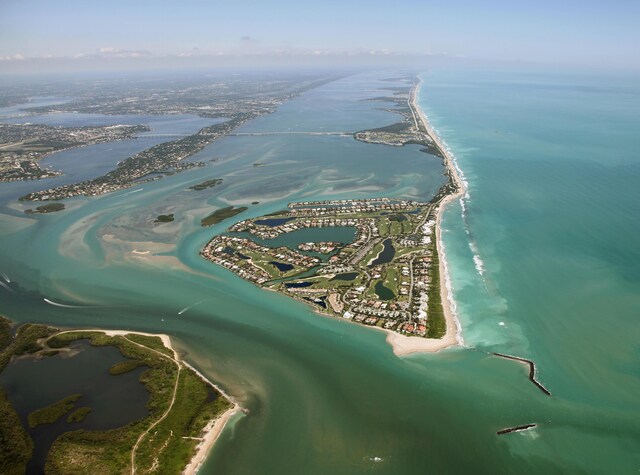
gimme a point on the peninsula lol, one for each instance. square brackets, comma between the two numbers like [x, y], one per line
[23, 145]
[391, 273]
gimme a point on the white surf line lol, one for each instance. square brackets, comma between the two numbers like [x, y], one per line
[51, 302]
[190, 307]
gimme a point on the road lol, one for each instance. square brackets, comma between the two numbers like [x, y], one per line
[164, 416]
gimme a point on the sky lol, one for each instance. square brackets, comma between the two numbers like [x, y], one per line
[46, 33]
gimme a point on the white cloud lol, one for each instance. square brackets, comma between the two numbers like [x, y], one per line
[111, 52]
[15, 57]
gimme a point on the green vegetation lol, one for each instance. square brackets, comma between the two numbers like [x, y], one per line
[124, 366]
[437, 322]
[222, 214]
[153, 342]
[164, 218]
[278, 213]
[391, 280]
[48, 208]
[371, 255]
[25, 342]
[79, 414]
[382, 278]
[15, 444]
[50, 414]
[169, 445]
[187, 417]
[206, 184]
[5, 332]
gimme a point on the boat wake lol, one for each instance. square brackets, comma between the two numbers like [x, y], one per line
[7, 287]
[56, 304]
[190, 307]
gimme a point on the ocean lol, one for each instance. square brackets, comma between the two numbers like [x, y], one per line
[543, 257]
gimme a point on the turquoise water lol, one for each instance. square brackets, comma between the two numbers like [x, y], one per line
[551, 219]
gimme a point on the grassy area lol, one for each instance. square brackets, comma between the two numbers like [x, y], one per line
[79, 414]
[153, 342]
[50, 414]
[377, 249]
[436, 320]
[391, 280]
[5, 332]
[222, 214]
[15, 444]
[278, 213]
[124, 367]
[187, 418]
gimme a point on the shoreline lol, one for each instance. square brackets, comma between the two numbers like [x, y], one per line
[214, 427]
[405, 345]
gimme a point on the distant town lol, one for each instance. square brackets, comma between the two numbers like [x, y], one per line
[235, 100]
[22, 145]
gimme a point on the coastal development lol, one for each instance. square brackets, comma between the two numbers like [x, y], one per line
[235, 101]
[389, 276]
[23, 145]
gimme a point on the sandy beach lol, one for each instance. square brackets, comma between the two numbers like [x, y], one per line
[405, 345]
[212, 432]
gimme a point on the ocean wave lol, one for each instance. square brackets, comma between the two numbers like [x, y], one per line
[477, 260]
[479, 263]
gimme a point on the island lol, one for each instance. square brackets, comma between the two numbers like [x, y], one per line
[164, 218]
[206, 184]
[221, 214]
[48, 208]
[181, 411]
